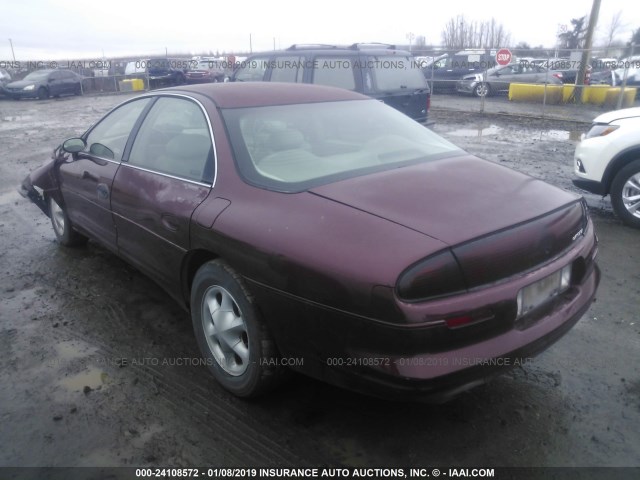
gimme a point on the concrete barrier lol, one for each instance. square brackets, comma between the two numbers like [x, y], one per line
[592, 94]
[611, 99]
[526, 92]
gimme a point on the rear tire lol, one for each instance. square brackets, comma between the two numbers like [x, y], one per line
[232, 337]
[62, 226]
[625, 194]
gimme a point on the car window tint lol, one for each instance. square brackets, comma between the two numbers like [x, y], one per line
[334, 71]
[174, 139]
[252, 70]
[286, 69]
[109, 137]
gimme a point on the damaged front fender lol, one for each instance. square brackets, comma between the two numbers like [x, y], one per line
[40, 184]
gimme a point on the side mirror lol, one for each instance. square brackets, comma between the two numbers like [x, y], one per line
[74, 145]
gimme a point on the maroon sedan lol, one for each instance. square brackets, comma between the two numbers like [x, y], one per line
[314, 228]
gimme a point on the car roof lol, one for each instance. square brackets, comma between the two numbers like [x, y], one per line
[259, 94]
[368, 49]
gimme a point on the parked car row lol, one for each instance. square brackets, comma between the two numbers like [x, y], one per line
[160, 73]
[475, 72]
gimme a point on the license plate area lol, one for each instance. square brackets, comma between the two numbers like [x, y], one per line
[538, 293]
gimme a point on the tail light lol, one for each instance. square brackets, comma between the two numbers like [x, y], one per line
[435, 276]
[558, 75]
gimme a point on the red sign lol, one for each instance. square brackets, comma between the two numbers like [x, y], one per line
[503, 57]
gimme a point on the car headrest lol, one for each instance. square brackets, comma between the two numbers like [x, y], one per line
[286, 139]
[188, 145]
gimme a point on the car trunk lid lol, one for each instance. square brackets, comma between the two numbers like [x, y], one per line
[453, 200]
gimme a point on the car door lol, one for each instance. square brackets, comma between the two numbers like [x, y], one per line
[85, 182]
[503, 78]
[168, 172]
[69, 82]
[54, 83]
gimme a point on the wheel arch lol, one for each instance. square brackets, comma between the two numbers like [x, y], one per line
[618, 162]
[191, 263]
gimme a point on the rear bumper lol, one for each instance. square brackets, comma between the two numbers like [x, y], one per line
[479, 368]
[429, 362]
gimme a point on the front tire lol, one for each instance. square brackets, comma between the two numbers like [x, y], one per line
[232, 338]
[43, 93]
[482, 90]
[625, 194]
[62, 226]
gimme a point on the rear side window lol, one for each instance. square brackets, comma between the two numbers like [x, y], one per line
[174, 139]
[334, 72]
[286, 69]
[252, 70]
[393, 73]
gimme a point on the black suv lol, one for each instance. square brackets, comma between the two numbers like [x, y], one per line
[377, 70]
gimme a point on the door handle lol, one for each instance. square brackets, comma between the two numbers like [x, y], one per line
[86, 175]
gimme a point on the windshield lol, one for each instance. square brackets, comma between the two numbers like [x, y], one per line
[37, 75]
[292, 148]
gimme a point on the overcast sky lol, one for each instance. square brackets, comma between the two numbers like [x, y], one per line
[73, 29]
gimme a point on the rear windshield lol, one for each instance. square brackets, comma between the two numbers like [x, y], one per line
[291, 148]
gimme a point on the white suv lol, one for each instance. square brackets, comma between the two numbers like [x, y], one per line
[607, 161]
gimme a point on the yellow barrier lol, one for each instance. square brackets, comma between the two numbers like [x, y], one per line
[131, 85]
[611, 99]
[525, 92]
[593, 94]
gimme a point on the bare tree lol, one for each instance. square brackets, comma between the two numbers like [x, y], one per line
[635, 42]
[613, 29]
[459, 33]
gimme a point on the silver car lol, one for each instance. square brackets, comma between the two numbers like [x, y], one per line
[497, 79]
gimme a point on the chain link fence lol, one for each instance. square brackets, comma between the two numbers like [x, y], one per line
[539, 78]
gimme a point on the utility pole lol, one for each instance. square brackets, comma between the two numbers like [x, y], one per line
[586, 53]
[13, 54]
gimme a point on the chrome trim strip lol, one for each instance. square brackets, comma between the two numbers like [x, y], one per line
[126, 164]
